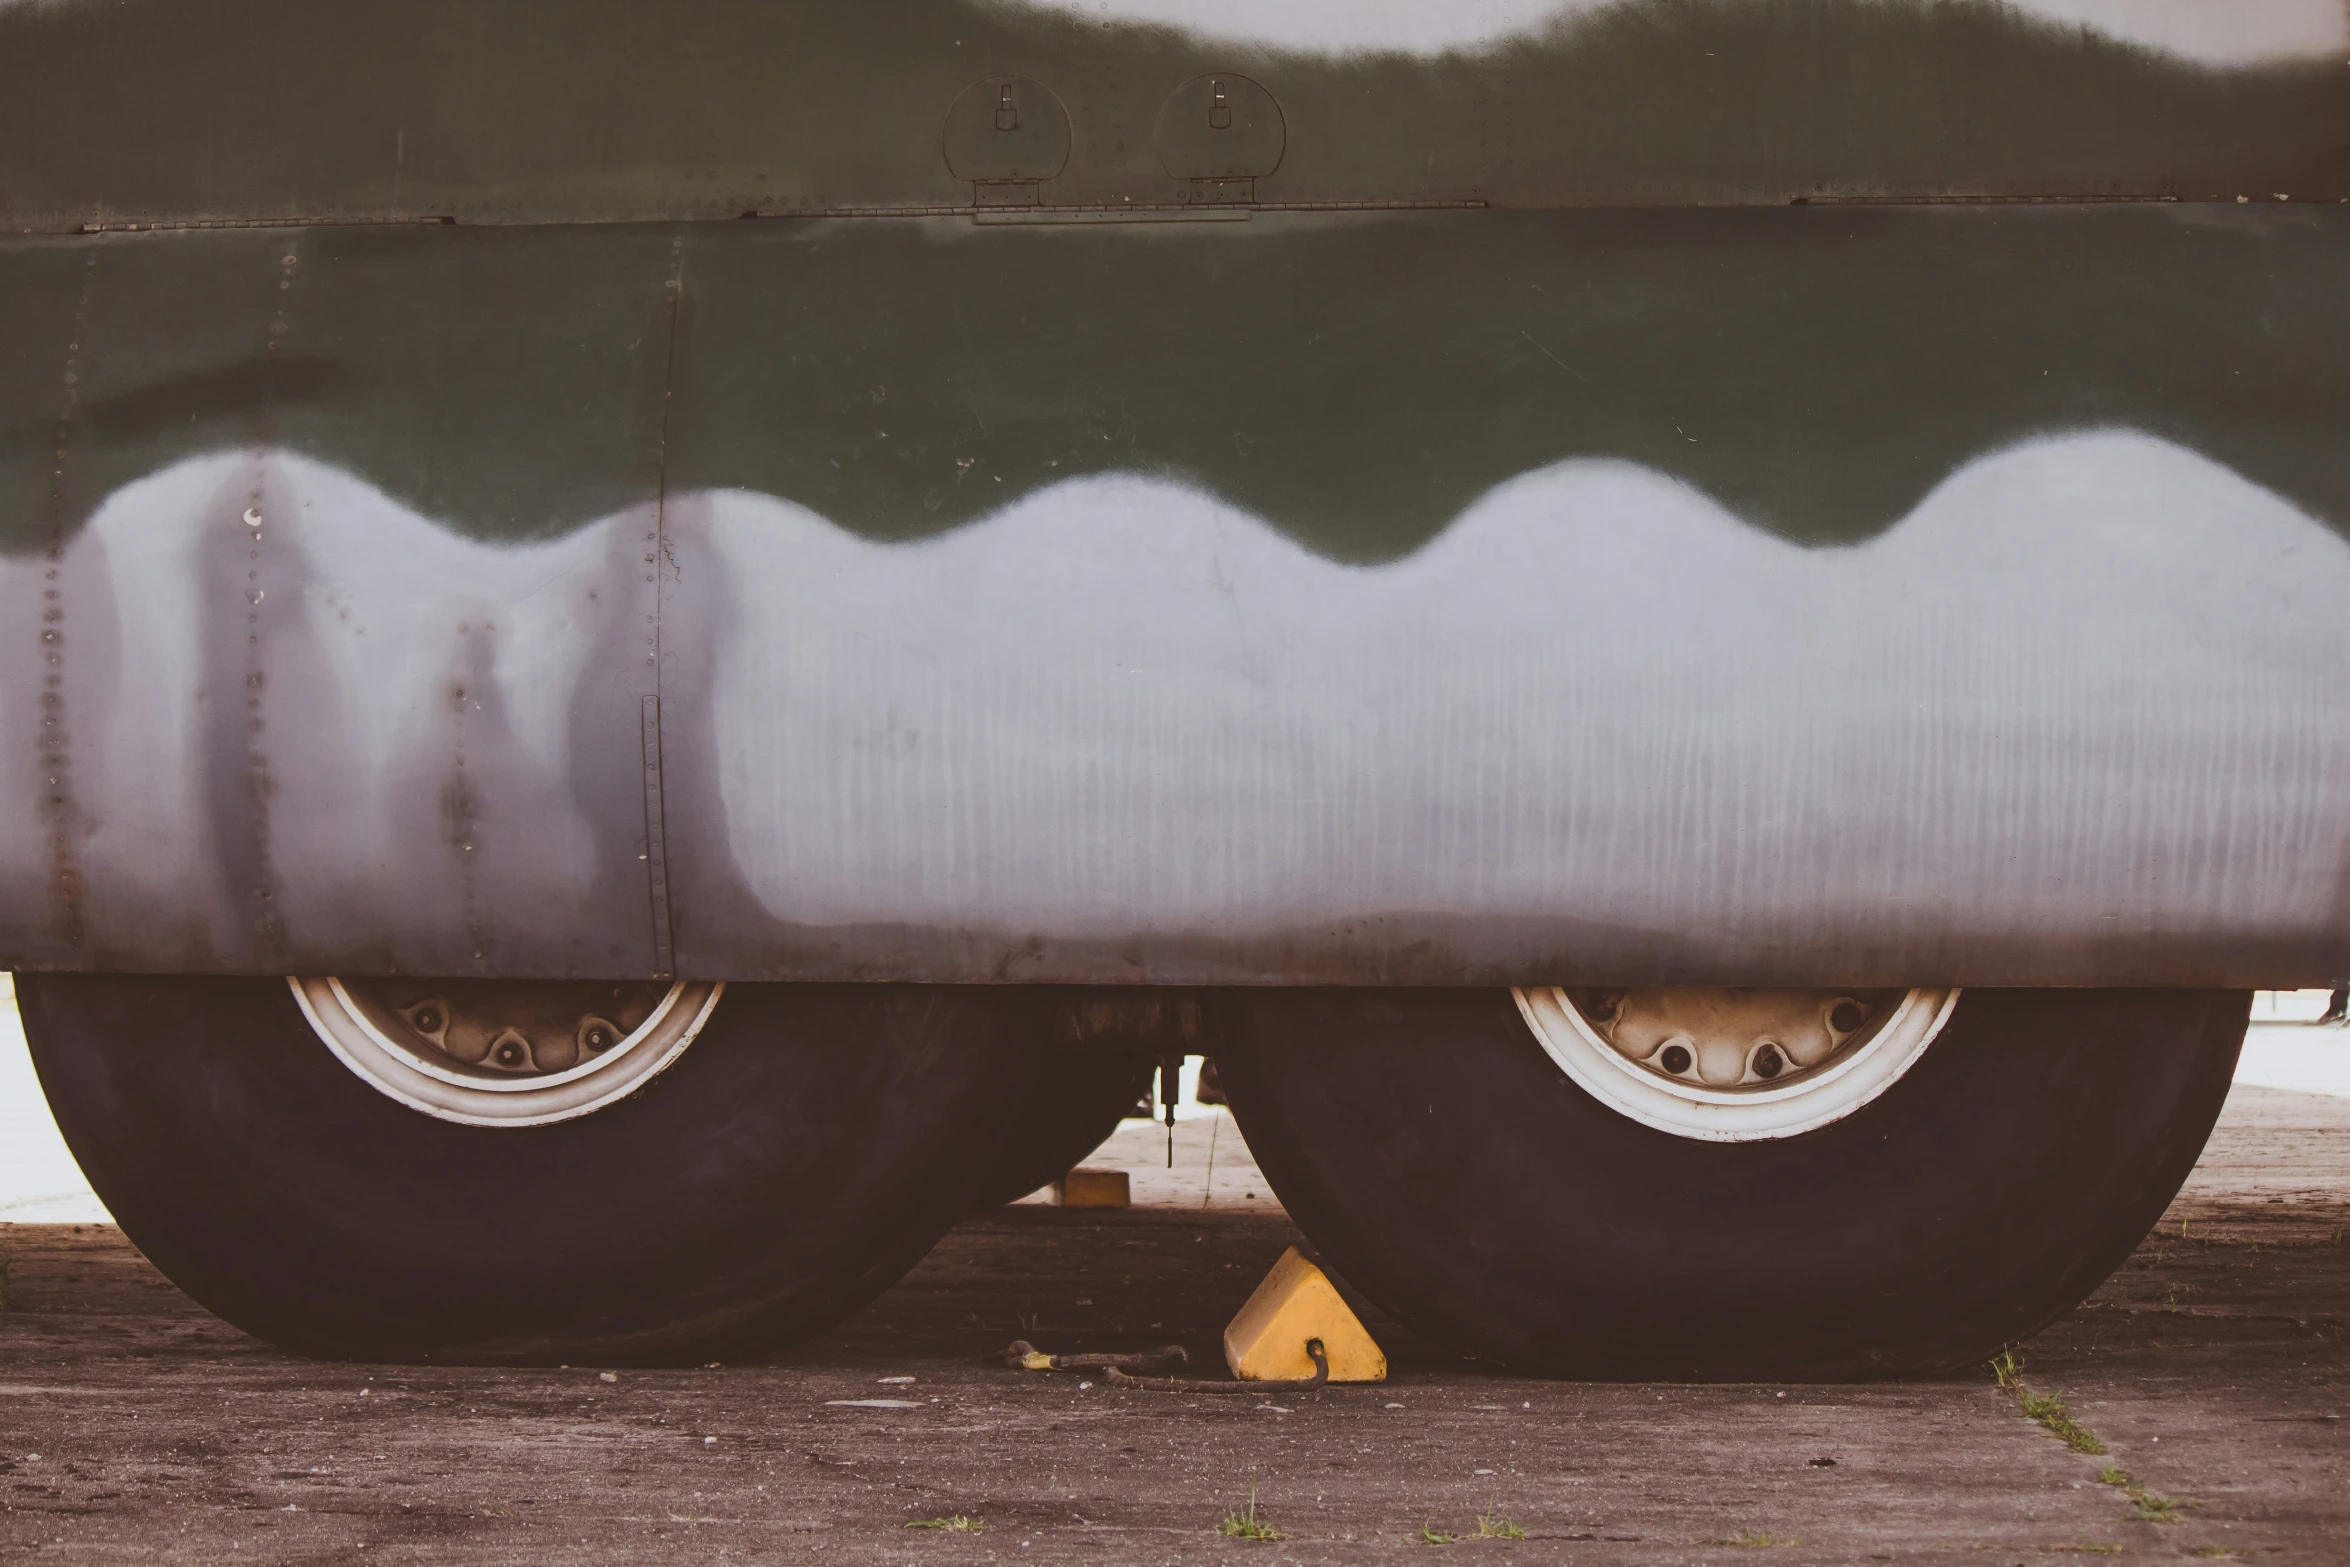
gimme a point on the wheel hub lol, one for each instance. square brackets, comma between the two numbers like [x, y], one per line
[1733, 1065]
[505, 1052]
[1734, 1039]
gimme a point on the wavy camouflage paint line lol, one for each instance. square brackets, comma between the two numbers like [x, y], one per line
[1354, 382]
[2082, 716]
[601, 110]
[2234, 34]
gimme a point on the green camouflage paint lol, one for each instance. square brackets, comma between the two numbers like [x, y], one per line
[1356, 380]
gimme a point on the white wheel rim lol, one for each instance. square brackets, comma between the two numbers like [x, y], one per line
[441, 1087]
[1835, 1089]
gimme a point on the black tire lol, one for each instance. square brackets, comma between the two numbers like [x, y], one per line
[1074, 1101]
[1438, 1157]
[796, 1160]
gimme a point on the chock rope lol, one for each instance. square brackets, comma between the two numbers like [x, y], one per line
[1315, 1383]
[1021, 1355]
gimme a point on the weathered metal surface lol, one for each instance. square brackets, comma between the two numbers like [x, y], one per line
[1796, 597]
[121, 111]
[2082, 712]
[260, 728]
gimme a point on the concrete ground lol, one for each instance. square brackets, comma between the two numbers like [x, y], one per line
[2212, 1370]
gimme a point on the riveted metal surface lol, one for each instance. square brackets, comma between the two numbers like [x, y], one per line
[1670, 598]
[1763, 594]
[274, 802]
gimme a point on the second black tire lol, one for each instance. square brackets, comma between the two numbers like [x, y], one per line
[1437, 1156]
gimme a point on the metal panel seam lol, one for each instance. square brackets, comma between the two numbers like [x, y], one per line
[656, 853]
